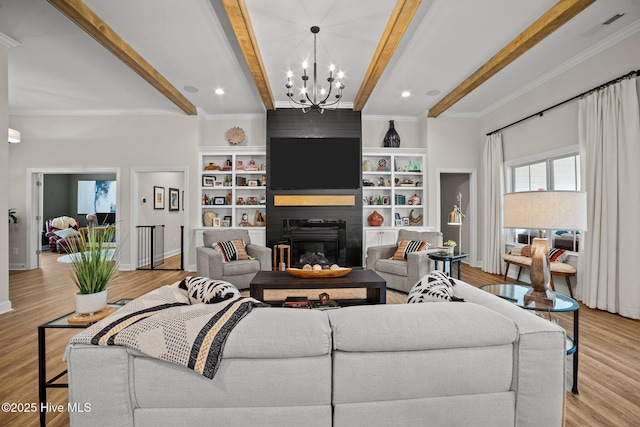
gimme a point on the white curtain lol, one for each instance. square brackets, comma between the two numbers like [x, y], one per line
[493, 189]
[609, 137]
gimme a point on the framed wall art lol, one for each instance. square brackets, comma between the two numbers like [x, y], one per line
[158, 197]
[174, 199]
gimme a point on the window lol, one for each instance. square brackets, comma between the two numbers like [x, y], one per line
[557, 173]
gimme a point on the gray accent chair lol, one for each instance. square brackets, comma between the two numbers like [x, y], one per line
[402, 275]
[239, 273]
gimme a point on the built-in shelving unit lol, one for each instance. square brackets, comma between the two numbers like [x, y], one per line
[394, 186]
[233, 189]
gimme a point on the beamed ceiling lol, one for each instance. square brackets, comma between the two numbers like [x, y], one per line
[454, 57]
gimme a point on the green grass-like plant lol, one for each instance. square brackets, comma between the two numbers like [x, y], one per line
[95, 261]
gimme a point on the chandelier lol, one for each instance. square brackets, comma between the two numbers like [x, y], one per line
[310, 101]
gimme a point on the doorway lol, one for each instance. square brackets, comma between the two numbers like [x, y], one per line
[450, 183]
[159, 238]
[61, 199]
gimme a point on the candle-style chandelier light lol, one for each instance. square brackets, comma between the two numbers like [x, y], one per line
[309, 101]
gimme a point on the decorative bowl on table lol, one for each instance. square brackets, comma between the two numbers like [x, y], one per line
[336, 272]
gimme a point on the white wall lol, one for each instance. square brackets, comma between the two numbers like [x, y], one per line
[5, 303]
[147, 215]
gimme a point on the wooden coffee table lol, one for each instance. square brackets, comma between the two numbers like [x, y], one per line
[375, 285]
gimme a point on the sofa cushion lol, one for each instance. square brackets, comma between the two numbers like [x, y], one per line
[405, 246]
[208, 291]
[433, 287]
[399, 268]
[424, 326]
[232, 250]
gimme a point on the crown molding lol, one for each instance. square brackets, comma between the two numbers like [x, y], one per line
[8, 41]
[567, 65]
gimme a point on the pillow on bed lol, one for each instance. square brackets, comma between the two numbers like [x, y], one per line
[433, 287]
[66, 233]
[232, 250]
[208, 291]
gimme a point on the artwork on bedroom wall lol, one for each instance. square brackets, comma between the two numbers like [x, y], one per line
[174, 199]
[158, 197]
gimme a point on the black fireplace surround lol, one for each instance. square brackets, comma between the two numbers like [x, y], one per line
[316, 241]
[326, 233]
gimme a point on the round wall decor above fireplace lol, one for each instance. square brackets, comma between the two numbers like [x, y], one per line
[235, 135]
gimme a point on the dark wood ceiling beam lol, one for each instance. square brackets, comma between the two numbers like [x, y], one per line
[86, 19]
[241, 24]
[396, 26]
[554, 18]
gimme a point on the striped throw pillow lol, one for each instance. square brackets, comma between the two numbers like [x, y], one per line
[556, 255]
[208, 291]
[232, 250]
[405, 246]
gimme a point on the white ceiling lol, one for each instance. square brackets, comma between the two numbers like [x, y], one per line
[57, 68]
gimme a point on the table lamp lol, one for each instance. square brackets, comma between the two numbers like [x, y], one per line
[544, 210]
[455, 218]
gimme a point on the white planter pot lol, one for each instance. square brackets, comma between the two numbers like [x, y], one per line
[90, 303]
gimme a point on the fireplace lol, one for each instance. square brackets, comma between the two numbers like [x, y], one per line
[316, 241]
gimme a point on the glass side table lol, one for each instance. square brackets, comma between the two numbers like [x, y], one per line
[515, 293]
[43, 383]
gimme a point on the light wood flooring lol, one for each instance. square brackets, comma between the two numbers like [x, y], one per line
[609, 379]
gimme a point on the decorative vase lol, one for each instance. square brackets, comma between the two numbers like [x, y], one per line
[540, 273]
[375, 219]
[391, 139]
[90, 303]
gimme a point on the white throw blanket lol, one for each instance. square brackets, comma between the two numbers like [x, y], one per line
[165, 325]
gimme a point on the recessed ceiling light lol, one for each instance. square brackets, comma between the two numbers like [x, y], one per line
[191, 89]
[433, 92]
[219, 91]
[406, 94]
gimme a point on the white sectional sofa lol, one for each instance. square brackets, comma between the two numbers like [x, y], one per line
[482, 362]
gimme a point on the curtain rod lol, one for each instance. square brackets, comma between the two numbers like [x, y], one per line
[540, 113]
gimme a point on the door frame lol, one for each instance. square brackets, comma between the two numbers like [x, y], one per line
[472, 216]
[35, 208]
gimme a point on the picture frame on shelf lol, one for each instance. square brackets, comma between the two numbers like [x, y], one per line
[226, 223]
[386, 200]
[174, 199]
[398, 222]
[405, 220]
[158, 197]
[216, 222]
[208, 181]
[252, 183]
[219, 200]
[218, 183]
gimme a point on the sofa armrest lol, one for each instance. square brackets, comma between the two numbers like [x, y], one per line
[374, 253]
[99, 376]
[209, 262]
[418, 265]
[262, 254]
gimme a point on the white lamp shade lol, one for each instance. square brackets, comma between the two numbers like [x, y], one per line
[14, 136]
[546, 210]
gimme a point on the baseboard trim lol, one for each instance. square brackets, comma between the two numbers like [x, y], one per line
[5, 307]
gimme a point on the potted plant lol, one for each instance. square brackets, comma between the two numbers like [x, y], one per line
[451, 245]
[94, 260]
[12, 216]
